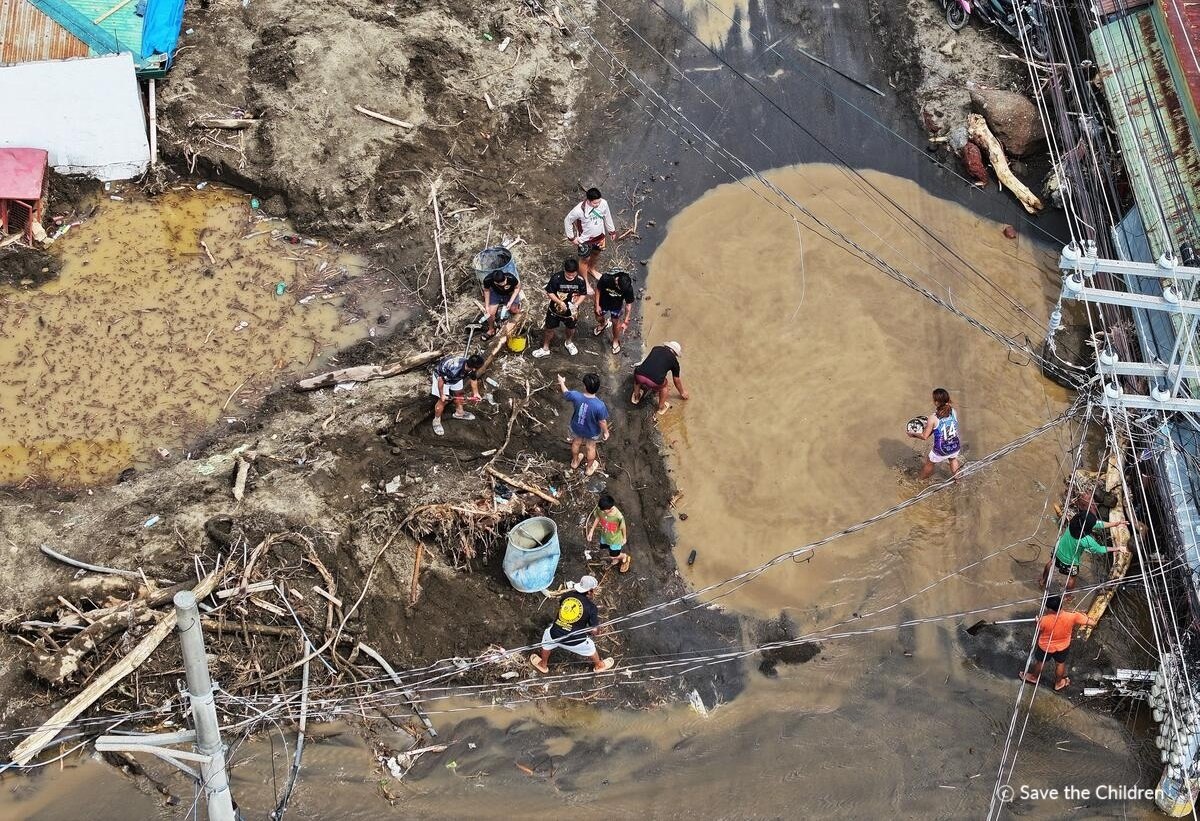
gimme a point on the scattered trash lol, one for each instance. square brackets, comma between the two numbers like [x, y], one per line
[511, 674]
[1010, 232]
[452, 765]
[164, 453]
[190, 31]
[691, 558]
[115, 198]
[394, 484]
[698, 704]
[471, 744]
[152, 521]
[280, 288]
[202, 185]
[683, 517]
[487, 36]
[345, 386]
[254, 203]
[241, 326]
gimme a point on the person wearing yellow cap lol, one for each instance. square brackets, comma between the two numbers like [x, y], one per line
[651, 375]
[572, 628]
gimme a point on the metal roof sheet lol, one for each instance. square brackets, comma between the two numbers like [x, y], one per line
[26, 34]
[22, 171]
[1183, 22]
[1156, 143]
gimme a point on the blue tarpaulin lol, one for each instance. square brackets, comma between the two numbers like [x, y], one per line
[160, 27]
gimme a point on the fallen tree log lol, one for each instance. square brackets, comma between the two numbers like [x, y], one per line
[55, 668]
[979, 132]
[508, 480]
[1120, 539]
[58, 722]
[366, 373]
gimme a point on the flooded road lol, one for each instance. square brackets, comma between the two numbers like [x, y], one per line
[804, 365]
[166, 314]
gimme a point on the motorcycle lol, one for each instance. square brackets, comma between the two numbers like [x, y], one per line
[1021, 20]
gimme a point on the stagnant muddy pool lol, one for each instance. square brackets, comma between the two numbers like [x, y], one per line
[167, 315]
[804, 363]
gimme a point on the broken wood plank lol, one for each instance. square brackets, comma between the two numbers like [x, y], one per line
[226, 123]
[55, 668]
[979, 132]
[504, 477]
[120, 5]
[239, 481]
[414, 589]
[266, 605]
[329, 597]
[367, 373]
[383, 117]
[257, 587]
[58, 722]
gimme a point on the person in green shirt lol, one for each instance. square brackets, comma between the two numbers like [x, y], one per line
[608, 517]
[1076, 540]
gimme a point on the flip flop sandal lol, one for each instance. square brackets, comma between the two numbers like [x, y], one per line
[571, 349]
[606, 664]
[634, 398]
[599, 329]
[626, 560]
[465, 416]
[536, 663]
[540, 352]
[663, 409]
[592, 468]
[576, 462]
[616, 347]
[437, 427]
[1063, 684]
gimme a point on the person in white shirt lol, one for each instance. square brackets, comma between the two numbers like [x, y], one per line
[586, 225]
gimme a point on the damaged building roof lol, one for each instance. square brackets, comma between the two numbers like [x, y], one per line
[1153, 126]
[33, 30]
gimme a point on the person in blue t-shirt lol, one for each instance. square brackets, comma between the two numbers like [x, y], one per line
[589, 420]
[942, 426]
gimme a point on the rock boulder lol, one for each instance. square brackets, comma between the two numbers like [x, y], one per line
[1012, 117]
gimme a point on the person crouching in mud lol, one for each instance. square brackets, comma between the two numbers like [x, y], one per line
[943, 427]
[573, 628]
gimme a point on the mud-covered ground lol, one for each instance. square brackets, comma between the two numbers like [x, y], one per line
[324, 459]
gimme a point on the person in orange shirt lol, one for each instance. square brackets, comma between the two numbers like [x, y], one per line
[1054, 640]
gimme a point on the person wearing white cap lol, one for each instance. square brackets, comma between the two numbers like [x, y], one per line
[651, 375]
[572, 628]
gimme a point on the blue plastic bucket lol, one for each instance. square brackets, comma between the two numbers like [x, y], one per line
[494, 259]
[531, 559]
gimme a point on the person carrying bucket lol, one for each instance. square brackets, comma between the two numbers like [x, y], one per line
[943, 427]
[501, 297]
[585, 226]
[566, 291]
[651, 375]
[572, 628]
[447, 383]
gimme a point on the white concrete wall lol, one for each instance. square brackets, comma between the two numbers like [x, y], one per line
[86, 113]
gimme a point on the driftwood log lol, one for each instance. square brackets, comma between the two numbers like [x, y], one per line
[367, 373]
[226, 123]
[1120, 538]
[519, 485]
[979, 132]
[55, 668]
[58, 722]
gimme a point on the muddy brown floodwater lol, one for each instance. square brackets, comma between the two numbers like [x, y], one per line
[804, 365]
[146, 338]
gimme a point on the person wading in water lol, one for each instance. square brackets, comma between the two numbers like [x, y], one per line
[943, 427]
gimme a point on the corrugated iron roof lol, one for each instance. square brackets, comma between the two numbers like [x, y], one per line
[1183, 22]
[26, 34]
[1156, 143]
[22, 171]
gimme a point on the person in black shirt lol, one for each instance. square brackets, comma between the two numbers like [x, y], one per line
[502, 296]
[566, 290]
[651, 375]
[614, 305]
[573, 629]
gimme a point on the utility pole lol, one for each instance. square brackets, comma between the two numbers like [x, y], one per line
[214, 778]
[210, 752]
